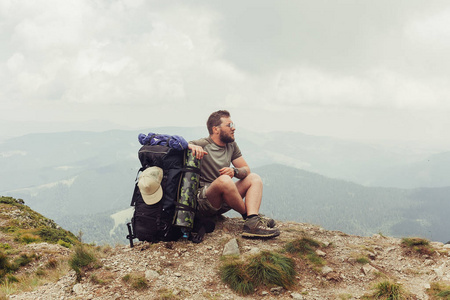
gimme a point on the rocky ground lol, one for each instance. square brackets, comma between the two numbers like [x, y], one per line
[184, 270]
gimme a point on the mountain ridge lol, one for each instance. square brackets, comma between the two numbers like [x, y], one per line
[81, 175]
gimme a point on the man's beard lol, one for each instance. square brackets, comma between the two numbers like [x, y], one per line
[226, 138]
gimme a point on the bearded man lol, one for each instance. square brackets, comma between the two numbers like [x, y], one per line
[221, 162]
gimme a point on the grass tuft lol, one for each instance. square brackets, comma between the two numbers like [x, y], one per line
[387, 290]
[302, 246]
[439, 291]
[265, 268]
[235, 275]
[418, 245]
[137, 282]
[272, 268]
[305, 247]
[166, 294]
[362, 260]
[81, 259]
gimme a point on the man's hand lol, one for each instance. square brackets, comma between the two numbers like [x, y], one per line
[197, 151]
[227, 171]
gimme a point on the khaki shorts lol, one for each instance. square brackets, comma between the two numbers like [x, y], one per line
[205, 208]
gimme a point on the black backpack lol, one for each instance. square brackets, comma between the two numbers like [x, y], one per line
[154, 223]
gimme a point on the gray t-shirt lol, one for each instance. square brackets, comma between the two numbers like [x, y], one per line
[218, 157]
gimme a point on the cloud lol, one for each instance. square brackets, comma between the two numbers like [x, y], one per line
[378, 89]
[118, 60]
[106, 52]
[433, 30]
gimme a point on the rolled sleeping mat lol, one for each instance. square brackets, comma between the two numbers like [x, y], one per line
[187, 198]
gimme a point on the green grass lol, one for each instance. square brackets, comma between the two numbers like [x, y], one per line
[362, 260]
[137, 282]
[57, 236]
[387, 290]
[235, 275]
[32, 227]
[166, 294]
[11, 200]
[439, 291]
[305, 247]
[418, 245]
[266, 268]
[81, 258]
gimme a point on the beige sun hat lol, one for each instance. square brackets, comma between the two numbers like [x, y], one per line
[150, 185]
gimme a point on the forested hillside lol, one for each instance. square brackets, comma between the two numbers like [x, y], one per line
[297, 195]
[80, 179]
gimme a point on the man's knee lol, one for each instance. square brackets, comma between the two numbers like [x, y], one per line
[254, 178]
[224, 181]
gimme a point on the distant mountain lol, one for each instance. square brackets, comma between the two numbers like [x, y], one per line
[431, 171]
[73, 176]
[10, 128]
[297, 195]
[291, 194]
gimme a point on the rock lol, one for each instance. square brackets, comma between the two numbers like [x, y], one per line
[231, 248]
[189, 264]
[264, 293]
[254, 250]
[368, 269]
[439, 272]
[277, 290]
[320, 253]
[151, 274]
[429, 262]
[326, 270]
[78, 289]
[333, 276]
[177, 274]
[447, 246]
[296, 296]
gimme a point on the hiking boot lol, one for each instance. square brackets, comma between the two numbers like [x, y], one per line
[268, 221]
[256, 228]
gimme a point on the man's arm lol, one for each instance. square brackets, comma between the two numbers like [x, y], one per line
[197, 151]
[241, 165]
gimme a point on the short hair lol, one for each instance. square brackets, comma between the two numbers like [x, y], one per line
[215, 119]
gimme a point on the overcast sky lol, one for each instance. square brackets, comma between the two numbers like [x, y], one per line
[351, 69]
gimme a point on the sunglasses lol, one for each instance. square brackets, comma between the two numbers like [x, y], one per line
[231, 125]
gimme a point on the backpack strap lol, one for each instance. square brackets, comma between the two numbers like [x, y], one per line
[136, 188]
[184, 207]
[190, 169]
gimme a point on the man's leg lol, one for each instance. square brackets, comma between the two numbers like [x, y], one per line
[251, 189]
[223, 189]
[255, 226]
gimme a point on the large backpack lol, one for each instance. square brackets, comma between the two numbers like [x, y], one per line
[167, 219]
[153, 223]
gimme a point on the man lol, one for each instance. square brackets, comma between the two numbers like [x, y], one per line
[219, 192]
